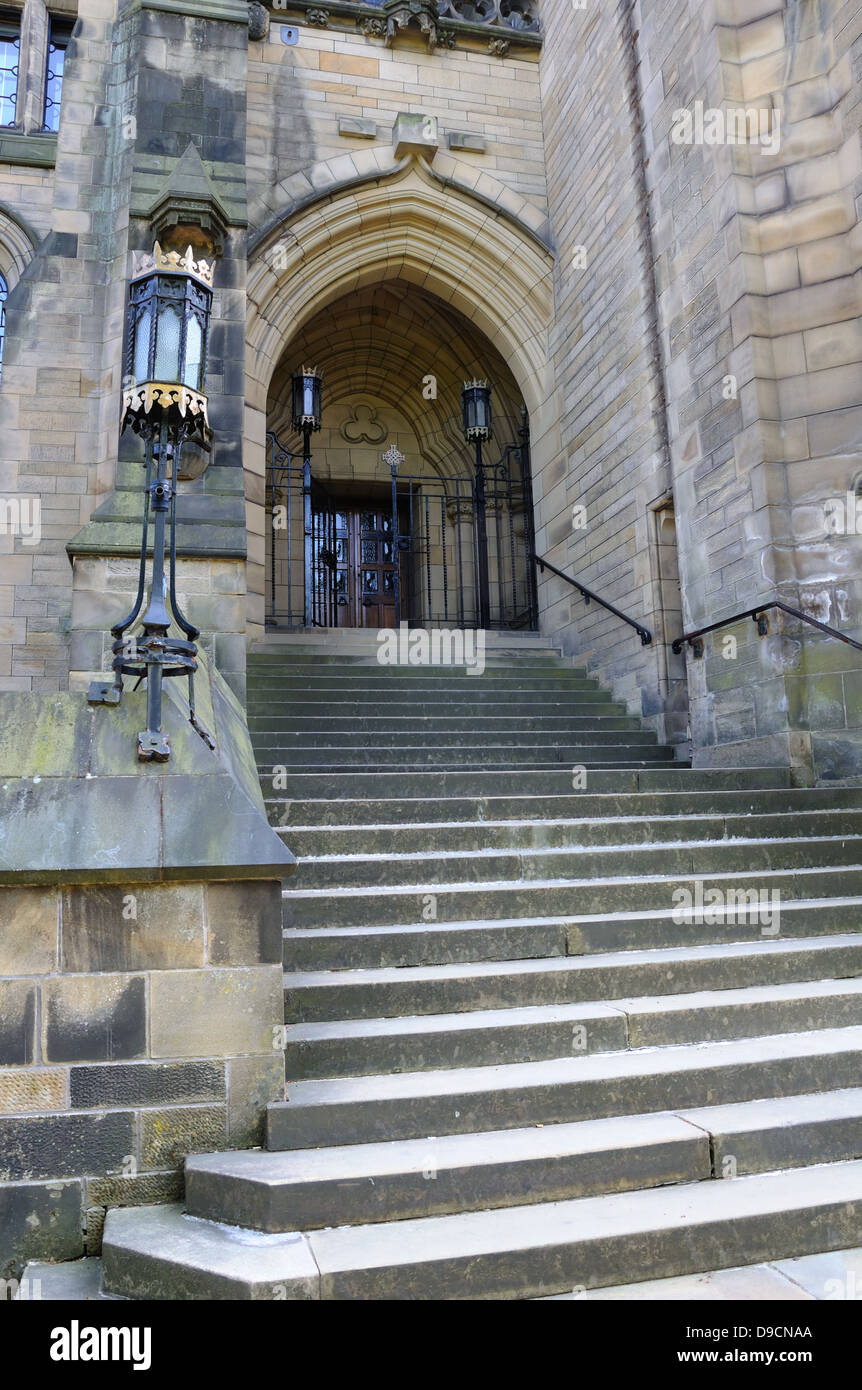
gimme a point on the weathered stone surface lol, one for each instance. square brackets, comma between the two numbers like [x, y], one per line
[244, 923]
[134, 1190]
[31, 1088]
[168, 1135]
[146, 1083]
[132, 927]
[214, 1013]
[48, 1146]
[38, 1221]
[156, 1252]
[17, 1022]
[94, 1018]
[28, 940]
[252, 1083]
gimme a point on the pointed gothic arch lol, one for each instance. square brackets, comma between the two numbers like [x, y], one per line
[468, 247]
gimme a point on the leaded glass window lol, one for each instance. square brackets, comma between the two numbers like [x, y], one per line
[10, 46]
[61, 32]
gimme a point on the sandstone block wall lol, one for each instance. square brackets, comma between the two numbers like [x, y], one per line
[135, 1027]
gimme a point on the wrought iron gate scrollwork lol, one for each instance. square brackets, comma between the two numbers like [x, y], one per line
[434, 529]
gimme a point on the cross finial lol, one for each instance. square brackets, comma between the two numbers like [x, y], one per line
[393, 457]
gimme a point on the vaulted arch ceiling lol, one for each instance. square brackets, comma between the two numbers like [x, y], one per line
[384, 342]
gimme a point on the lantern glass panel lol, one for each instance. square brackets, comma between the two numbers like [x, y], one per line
[194, 353]
[141, 366]
[168, 343]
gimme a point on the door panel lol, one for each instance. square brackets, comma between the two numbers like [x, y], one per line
[376, 569]
[356, 556]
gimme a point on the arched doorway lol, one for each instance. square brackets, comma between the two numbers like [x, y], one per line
[480, 253]
[387, 525]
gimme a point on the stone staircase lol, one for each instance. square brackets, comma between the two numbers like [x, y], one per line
[517, 1065]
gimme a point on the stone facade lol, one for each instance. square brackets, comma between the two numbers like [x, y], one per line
[678, 314]
[141, 1003]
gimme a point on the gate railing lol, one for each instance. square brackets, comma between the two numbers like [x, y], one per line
[436, 525]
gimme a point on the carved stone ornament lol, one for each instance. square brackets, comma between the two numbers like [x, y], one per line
[258, 21]
[362, 426]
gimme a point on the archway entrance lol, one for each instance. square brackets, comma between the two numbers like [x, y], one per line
[387, 523]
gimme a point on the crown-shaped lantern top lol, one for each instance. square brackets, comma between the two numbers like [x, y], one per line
[172, 263]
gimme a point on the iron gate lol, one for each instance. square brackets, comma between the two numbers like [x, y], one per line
[429, 529]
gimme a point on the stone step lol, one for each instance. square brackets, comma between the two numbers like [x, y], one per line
[281, 647]
[424, 681]
[426, 785]
[339, 663]
[277, 643]
[584, 706]
[355, 1184]
[383, 905]
[358, 1184]
[518, 1252]
[313, 841]
[385, 726]
[312, 997]
[70, 1281]
[490, 1037]
[824, 1275]
[446, 756]
[574, 861]
[451, 757]
[533, 938]
[467, 1100]
[581, 807]
[299, 741]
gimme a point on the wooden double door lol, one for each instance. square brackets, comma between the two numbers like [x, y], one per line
[365, 566]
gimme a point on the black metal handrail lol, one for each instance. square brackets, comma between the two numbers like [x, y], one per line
[757, 615]
[590, 597]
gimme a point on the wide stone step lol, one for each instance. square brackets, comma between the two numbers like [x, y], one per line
[499, 663]
[387, 727]
[423, 682]
[427, 785]
[581, 807]
[400, 1180]
[575, 861]
[574, 897]
[158, 1252]
[371, 707]
[277, 643]
[351, 948]
[413, 1105]
[428, 990]
[450, 943]
[355, 1184]
[823, 1275]
[494, 1036]
[454, 758]
[313, 841]
[273, 744]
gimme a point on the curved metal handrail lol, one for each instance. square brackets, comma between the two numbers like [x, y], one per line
[757, 615]
[590, 597]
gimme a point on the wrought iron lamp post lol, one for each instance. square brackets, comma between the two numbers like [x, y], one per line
[479, 427]
[307, 417]
[170, 298]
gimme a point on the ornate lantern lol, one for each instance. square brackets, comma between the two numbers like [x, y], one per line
[476, 405]
[478, 428]
[170, 298]
[307, 400]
